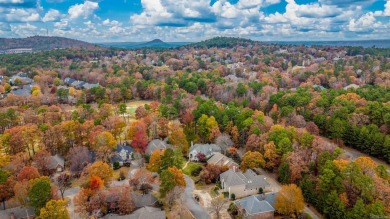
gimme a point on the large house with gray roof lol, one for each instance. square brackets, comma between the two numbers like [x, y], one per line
[221, 160]
[243, 184]
[207, 149]
[157, 144]
[257, 207]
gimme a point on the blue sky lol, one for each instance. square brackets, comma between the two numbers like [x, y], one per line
[190, 20]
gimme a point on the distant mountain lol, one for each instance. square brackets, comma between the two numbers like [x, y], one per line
[221, 42]
[157, 43]
[41, 43]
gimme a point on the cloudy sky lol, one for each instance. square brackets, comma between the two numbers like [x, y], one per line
[193, 20]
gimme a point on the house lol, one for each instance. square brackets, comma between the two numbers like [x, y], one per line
[21, 77]
[221, 160]
[355, 86]
[141, 200]
[157, 144]
[256, 207]
[69, 81]
[123, 154]
[207, 149]
[243, 184]
[89, 86]
[57, 163]
[25, 91]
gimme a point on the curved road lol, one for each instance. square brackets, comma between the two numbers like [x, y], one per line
[191, 203]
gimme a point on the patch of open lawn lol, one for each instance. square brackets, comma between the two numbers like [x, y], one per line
[116, 173]
[191, 166]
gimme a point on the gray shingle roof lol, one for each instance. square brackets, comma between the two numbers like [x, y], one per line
[157, 144]
[252, 205]
[220, 159]
[250, 179]
[143, 200]
[206, 149]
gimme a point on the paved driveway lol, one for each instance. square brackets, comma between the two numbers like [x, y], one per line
[191, 203]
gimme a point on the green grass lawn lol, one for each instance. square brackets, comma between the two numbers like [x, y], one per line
[191, 167]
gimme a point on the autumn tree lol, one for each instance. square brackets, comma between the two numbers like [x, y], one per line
[271, 156]
[95, 183]
[170, 178]
[135, 127]
[140, 178]
[252, 160]
[54, 209]
[211, 172]
[125, 201]
[154, 164]
[162, 127]
[102, 170]
[140, 142]
[178, 139]
[28, 173]
[289, 200]
[42, 160]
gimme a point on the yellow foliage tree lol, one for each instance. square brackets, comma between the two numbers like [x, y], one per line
[105, 139]
[366, 164]
[341, 164]
[155, 161]
[178, 174]
[289, 200]
[101, 170]
[179, 140]
[270, 155]
[252, 159]
[54, 209]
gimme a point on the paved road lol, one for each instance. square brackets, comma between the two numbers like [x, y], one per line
[191, 203]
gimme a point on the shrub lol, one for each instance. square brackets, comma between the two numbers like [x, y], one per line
[116, 165]
[122, 175]
[261, 191]
[233, 196]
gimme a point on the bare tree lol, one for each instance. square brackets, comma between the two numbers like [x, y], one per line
[63, 182]
[78, 158]
[224, 142]
[217, 204]
[173, 196]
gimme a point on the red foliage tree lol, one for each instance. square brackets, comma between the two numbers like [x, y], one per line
[140, 142]
[27, 173]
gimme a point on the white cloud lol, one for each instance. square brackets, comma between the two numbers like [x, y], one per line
[51, 15]
[83, 10]
[111, 23]
[22, 15]
[366, 23]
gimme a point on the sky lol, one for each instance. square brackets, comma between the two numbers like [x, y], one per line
[195, 20]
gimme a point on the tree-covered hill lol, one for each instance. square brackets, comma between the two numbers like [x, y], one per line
[221, 42]
[41, 43]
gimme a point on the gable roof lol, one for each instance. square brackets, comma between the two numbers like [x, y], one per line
[206, 149]
[250, 179]
[143, 200]
[157, 144]
[269, 197]
[252, 205]
[148, 213]
[56, 161]
[222, 160]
